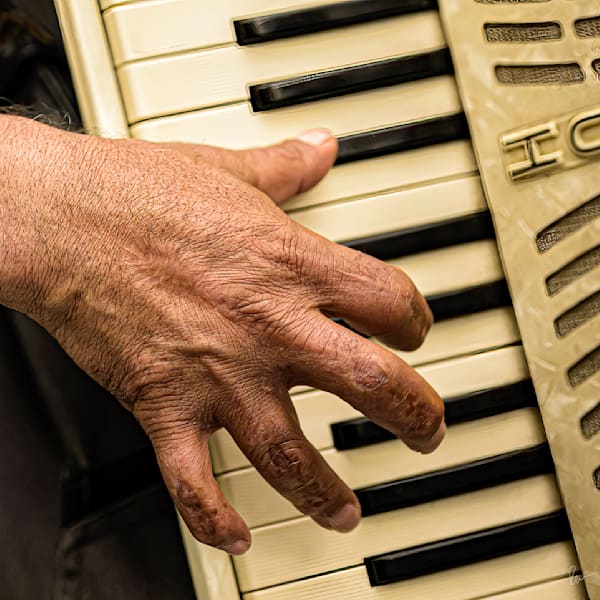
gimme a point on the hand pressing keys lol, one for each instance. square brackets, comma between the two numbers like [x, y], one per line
[169, 274]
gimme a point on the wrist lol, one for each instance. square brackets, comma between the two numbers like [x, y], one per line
[31, 166]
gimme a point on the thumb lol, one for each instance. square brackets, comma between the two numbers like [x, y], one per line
[291, 167]
[282, 170]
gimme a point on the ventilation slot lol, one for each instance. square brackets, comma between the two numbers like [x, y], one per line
[557, 74]
[588, 28]
[590, 424]
[570, 223]
[585, 368]
[522, 32]
[572, 271]
[596, 66]
[597, 478]
[578, 315]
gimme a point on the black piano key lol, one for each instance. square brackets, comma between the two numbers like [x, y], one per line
[468, 549]
[399, 138]
[460, 230]
[490, 402]
[281, 25]
[470, 300]
[359, 432]
[461, 479]
[349, 80]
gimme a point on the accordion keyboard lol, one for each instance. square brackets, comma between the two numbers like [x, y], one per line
[483, 517]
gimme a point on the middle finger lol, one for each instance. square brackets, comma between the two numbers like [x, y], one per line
[371, 379]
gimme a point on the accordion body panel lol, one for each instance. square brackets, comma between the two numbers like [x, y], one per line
[449, 119]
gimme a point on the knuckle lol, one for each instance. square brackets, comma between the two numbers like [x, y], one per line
[285, 465]
[288, 252]
[151, 387]
[288, 466]
[291, 151]
[264, 316]
[287, 162]
[371, 372]
[144, 376]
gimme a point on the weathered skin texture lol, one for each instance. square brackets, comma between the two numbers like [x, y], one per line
[170, 275]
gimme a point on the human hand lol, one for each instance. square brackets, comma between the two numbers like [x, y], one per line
[169, 274]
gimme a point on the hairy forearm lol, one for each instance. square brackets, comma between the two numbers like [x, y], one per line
[29, 155]
[16, 136]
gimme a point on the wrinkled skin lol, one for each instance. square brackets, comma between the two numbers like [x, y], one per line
[170, 275]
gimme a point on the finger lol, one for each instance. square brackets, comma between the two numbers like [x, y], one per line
[272, 440]
[374, 297]
[184, 461]
[282, 170]
[372, 379]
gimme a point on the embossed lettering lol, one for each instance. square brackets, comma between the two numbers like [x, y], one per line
[529, 142]
[584, 132]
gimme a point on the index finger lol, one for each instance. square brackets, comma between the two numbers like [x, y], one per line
[376, 298]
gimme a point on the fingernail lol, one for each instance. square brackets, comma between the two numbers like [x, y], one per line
[346, 519]
[238, 547]
[315, 137]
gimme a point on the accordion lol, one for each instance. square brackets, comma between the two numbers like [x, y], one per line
[469, 135]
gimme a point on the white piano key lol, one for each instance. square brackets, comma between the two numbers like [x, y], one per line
[471, 582]
[104, 4]
[228, 7]
[300, 548]
[354, 219]
[218, 76]
[236, 126]
[178, 25]
[453, 268]
[568, 588]
[385, 173]
[466, 335]
[317, 409]
[391, 460]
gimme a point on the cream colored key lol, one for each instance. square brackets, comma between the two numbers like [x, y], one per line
[177, 25]
[108, 3]
[300, 548]
[465, 335]
[236, 126]
[388, 461]
[465, 583]
[395, 171]
[453, 268]
[317, 410]
[233, 8]
[219, 76]
[568, 588]
[395, 211]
